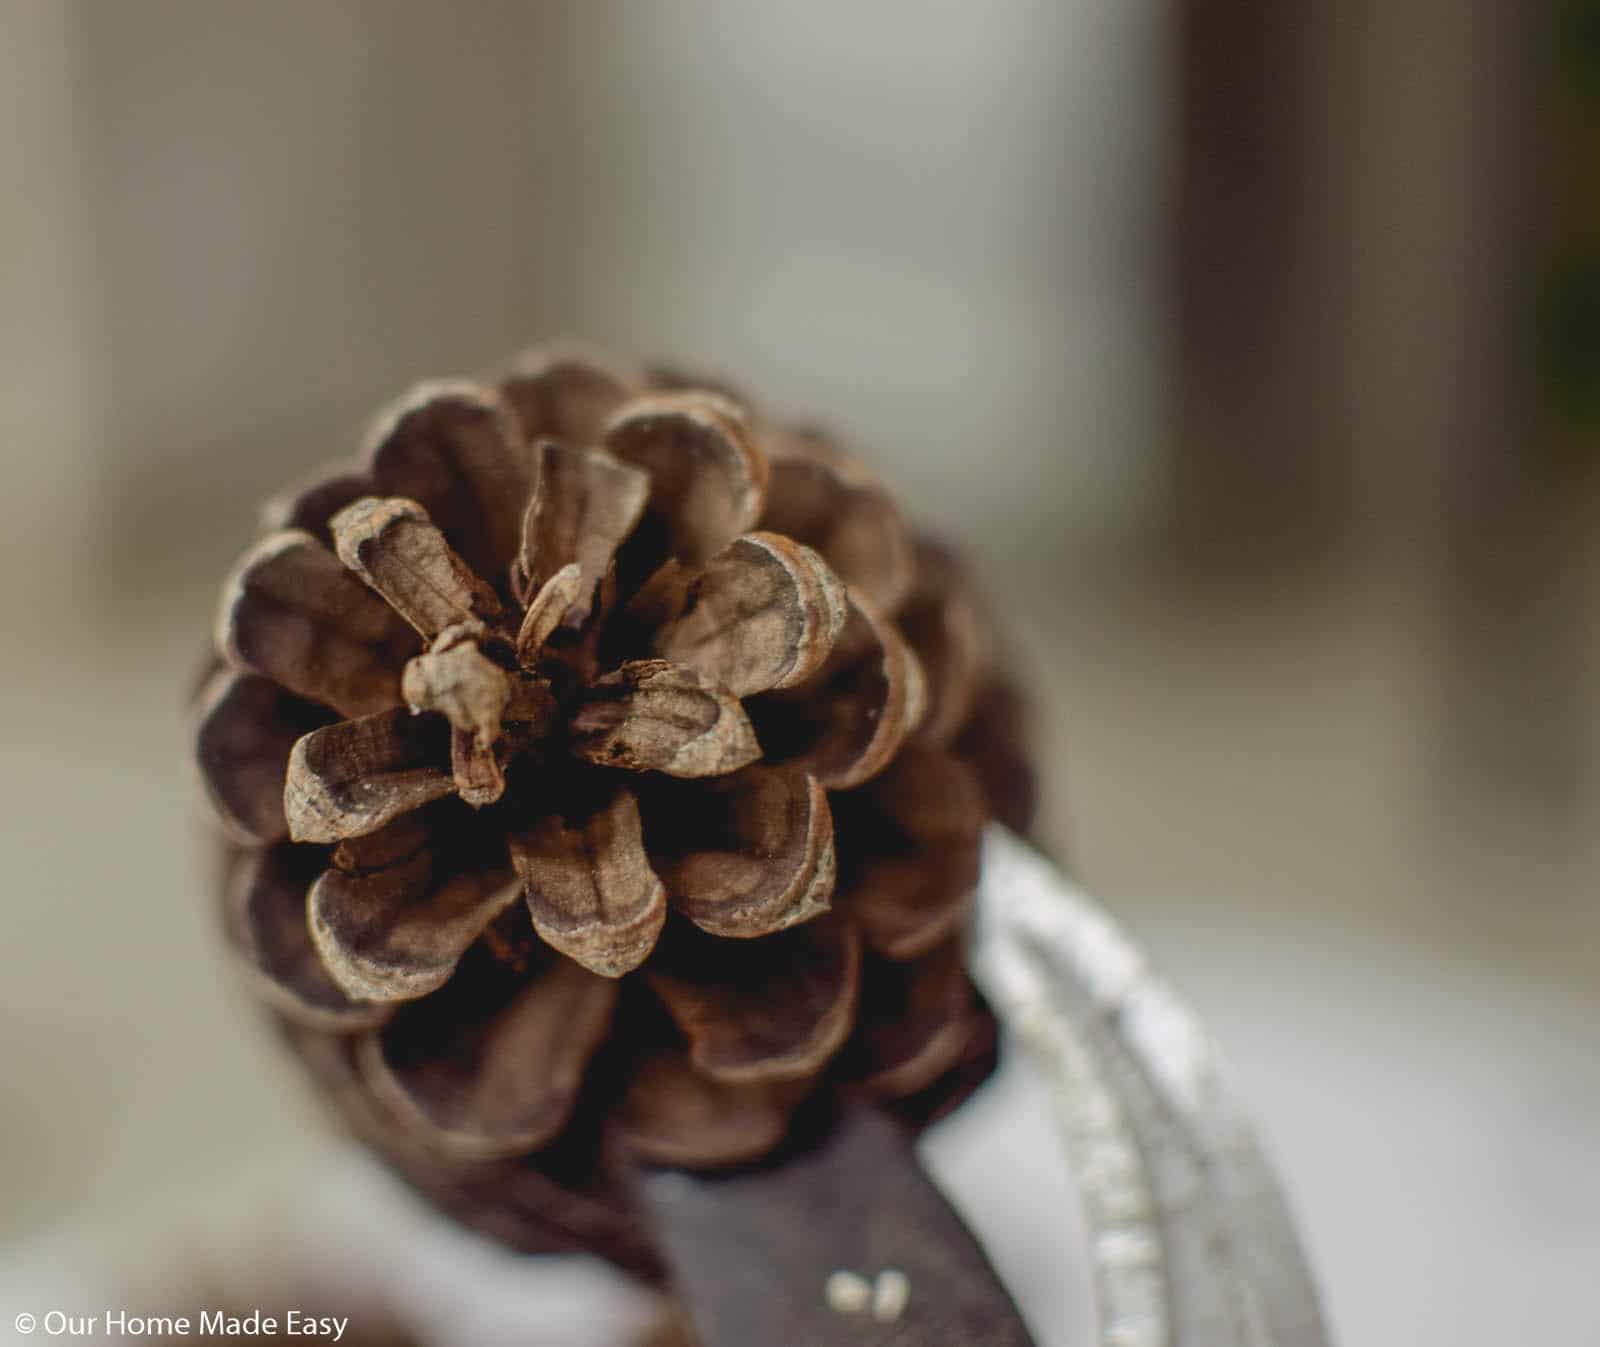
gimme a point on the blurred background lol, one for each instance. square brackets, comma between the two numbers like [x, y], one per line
[1253, 351]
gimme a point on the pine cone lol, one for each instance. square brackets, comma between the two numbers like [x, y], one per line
[605, 768]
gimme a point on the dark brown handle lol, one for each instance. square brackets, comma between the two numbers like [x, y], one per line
[752, 1252]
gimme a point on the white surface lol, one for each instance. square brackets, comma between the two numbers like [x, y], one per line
[344, 1236]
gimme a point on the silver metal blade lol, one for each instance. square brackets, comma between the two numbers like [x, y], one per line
[1191, 1240]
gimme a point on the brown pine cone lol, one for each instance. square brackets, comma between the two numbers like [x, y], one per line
[606, 770]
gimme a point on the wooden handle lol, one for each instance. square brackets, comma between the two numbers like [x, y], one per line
[842, 1243]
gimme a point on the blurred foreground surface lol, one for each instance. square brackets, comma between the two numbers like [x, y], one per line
[1404, 990]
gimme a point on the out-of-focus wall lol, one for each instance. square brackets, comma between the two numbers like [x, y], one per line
[46, 415]
[930, 224]
[1366, 194]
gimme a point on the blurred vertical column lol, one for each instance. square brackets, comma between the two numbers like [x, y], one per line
[1362, 191]
[1570, 338]
[1352, 253]
[1256, 474]
[1517, 690]
[46, 411]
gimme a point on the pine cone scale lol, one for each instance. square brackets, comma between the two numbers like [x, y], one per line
[656, 716]
[293, 614]
[566, 392]
[675, 1115]
[356, 776]
[455, 449]
[498, 1086]
[854, 524]
[589, 885]
[397, 933]
[248, 727]
[764, 613]
[583, 508]
[749, 855]
[264, 919]
[708, 481]
[394, 547]
[849, 720]
[774, 1012]
[913, 888]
